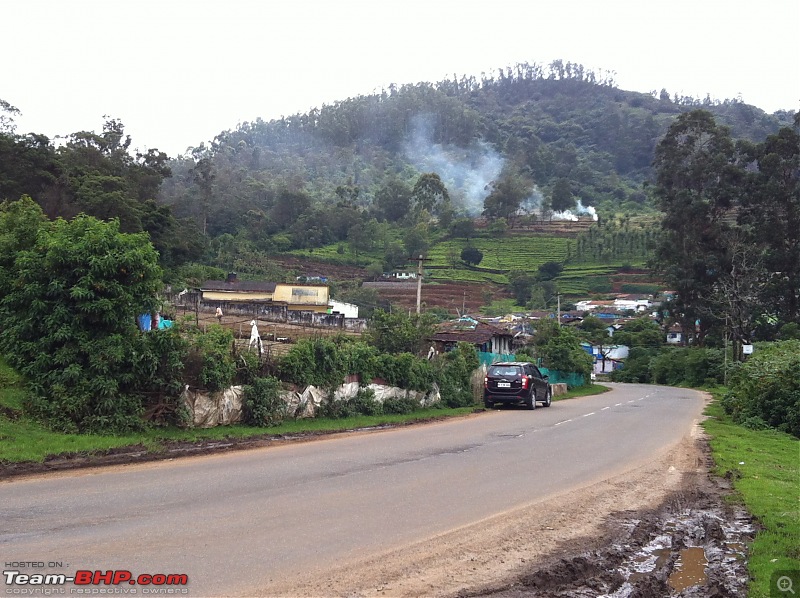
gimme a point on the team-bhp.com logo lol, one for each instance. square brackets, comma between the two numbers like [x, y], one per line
[155, 583]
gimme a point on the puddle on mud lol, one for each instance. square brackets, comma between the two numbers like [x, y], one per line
[678, 551]
[690, 569]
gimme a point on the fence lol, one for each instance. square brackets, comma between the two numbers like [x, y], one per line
[571, 379]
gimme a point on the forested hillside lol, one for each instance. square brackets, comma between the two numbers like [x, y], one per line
[372, 180]
[528, 137]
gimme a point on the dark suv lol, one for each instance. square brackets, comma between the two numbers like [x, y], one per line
[515, 382]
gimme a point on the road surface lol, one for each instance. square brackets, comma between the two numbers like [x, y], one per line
[248, 523]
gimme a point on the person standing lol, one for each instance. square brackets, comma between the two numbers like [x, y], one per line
[219, 314]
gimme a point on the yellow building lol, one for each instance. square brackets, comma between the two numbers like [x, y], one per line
[245, 291]
[296, 297]
[302, 297]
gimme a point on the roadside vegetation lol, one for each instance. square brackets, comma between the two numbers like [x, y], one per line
[25, 439]
[764, 469]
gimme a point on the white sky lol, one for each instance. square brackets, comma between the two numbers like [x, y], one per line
[178, 72]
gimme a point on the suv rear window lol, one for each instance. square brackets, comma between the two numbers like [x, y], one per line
[504, 370]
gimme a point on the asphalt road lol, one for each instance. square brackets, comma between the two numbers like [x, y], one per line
[236, 521]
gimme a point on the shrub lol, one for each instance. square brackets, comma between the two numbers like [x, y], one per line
[262, 404]
[767, 387]
[637, 366]
[209, 362]
[453, 374]
[400, 406]
[314, 361]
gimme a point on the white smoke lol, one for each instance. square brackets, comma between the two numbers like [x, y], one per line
[532, 203]
[466, 172]
[572, 216]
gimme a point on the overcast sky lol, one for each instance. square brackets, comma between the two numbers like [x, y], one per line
[178, 72]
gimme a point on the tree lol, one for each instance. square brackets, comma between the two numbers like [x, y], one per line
[521, 284]
[562, 198]
[393, 200]
[507, 194]
[69, 317]
[430, 194]
[560, 349]
[549, 270]
[698, 183]
[641, 332]
[463, 227]
[398, 332]
[471, 255]
[771, 214]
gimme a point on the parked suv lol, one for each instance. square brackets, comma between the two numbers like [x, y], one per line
[518, 382]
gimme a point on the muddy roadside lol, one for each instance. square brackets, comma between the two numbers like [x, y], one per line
[662, 529]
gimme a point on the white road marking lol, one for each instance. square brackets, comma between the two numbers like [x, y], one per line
[563, 422]
[618, 405]
[588, 414]
[604, 408]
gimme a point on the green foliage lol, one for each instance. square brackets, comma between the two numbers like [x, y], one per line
[400, 406]
[68, 318]
[159, 361]
[674, 366]
[560, 349]
[766, 388]
[363, 403]
[453, 374]
[397, 332]
[262, 404]
[318, 362]
[549, 270]
[405, 370]
[471, 255]
[641, 332]
[210, 363]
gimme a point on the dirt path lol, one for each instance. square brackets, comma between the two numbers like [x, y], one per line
[624, 537]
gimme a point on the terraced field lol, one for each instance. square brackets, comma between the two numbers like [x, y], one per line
[500, 255]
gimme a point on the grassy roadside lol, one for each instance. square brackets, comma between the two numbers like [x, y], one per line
[764, 466]
[24, 440]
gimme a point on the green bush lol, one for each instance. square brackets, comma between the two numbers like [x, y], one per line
[209, 362]
[262, 404]
[673, 366]
[453, 374]
[766, 388]
[318, 362]
[363, 403]
[636, 367]
[400, 406]
[405, 371]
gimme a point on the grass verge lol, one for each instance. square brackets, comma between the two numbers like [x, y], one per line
[764, 467]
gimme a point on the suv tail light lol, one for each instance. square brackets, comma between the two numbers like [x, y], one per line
[524, 382]
[486, 381]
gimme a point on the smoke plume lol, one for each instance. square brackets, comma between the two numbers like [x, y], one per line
[466, 172]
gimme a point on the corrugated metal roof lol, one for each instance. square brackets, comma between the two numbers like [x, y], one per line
[247, 286]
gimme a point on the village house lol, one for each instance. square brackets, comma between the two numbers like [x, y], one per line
[485, 337]
[295, 297]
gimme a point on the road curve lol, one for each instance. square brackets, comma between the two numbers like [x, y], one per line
[239, 521]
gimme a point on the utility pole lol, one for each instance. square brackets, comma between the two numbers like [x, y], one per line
[558, 312]
[419, 284]
[725, 370]
[419, 260]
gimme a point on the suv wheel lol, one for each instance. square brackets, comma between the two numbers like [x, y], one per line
[530, 402]
[548, 397]
[488, 405]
